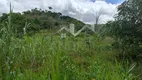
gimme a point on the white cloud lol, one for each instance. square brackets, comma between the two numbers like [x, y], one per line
[80, 9]
[3, 6]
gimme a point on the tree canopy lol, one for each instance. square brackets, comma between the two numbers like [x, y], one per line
[39, 19]
[127, 27]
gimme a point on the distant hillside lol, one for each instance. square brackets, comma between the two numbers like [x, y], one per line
[37, 19]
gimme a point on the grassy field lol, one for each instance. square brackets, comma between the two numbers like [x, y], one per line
[42, 57]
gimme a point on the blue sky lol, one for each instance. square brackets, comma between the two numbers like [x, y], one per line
[112, 1]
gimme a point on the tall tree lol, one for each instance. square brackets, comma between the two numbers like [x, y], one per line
[127, 28]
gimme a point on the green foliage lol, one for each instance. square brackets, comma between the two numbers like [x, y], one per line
[38, 20]
[40, 57]
[126, 29]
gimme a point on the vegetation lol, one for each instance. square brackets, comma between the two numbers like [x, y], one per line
[126, 29]
[36, 20]
[113, 54]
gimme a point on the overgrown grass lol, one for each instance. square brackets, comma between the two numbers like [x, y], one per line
[40, 57]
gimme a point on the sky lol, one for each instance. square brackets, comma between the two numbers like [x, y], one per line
[84, 10]
[111, 1]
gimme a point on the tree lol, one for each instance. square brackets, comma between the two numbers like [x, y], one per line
[37, 19]
[50, 7]
[127, 27]
[97, 17]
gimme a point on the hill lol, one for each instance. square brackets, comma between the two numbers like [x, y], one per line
[37, 19]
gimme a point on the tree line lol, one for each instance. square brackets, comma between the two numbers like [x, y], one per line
[37, 19]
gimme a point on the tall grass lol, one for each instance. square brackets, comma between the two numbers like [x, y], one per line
[39, 57]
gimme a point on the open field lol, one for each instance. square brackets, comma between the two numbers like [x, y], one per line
[42, 57]
[32, 47]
